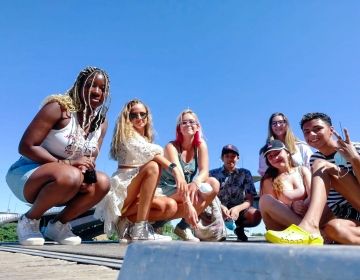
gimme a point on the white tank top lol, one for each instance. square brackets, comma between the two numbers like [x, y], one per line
[70, 143]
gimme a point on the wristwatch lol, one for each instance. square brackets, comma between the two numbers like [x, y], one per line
[172, 166]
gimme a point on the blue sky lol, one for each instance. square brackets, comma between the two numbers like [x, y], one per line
[233, 62]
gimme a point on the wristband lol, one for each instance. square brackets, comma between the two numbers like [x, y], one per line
[171, 167]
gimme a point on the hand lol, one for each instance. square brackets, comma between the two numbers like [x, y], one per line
[345, 147]
[181, 184]
[299, 207]
[225, 212]
[193, 191]
[191, 215]
[84, 163]
[234, 212]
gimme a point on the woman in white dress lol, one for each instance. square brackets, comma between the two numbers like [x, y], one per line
[279, 128]
[131, 202]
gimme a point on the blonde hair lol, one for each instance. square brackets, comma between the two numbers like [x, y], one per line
[290, 138]
[124, 129]
[278, 186]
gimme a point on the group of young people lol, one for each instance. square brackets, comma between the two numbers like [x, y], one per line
[151, 184]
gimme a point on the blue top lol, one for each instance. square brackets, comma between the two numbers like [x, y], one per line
[167, 181]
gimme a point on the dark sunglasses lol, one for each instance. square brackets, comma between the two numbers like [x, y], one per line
[141, 115]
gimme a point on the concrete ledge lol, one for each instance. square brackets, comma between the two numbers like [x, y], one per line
[205, 260]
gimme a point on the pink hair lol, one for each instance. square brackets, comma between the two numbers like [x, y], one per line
[179, 137]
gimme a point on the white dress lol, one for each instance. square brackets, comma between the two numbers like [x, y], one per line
[134, 153]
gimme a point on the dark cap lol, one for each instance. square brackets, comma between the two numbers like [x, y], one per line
[229, 149]
[274, 145]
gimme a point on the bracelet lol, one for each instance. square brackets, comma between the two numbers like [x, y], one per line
[197, 185]
[187, 201]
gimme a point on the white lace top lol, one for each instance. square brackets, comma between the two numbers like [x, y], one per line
[137, 151]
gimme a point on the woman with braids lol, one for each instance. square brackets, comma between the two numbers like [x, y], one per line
[132, 202]
[279, 128]
[285, 189]
[57, 163]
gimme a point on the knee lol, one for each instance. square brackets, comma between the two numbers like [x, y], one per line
[69, 178]
[152, 169]
[254, 217]
[103, 184]
[171, 208]
[214, 184]
[266, 201]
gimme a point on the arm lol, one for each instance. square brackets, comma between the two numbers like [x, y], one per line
[46, 119]
[262, 165]
[203, 163]
[347, 149]
[249, 190]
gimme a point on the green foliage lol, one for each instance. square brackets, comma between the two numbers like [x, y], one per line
[8, 232]
[168, 229]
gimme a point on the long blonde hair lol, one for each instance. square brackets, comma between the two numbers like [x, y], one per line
[124, 129]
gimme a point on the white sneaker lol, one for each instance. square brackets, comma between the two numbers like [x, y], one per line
[61, 233]
[143, 231]
[28, 232]
[186, 234]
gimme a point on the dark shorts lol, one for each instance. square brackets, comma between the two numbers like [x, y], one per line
[346, 211]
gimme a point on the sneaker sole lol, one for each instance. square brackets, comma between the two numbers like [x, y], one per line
[33, 242]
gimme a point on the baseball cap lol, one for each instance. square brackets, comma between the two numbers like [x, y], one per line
[229, 148]
[274, 145]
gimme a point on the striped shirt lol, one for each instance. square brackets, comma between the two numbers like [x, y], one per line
[336, 202]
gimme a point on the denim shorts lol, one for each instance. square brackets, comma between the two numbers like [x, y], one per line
[18, 174]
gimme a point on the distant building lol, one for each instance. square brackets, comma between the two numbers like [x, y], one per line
[6, 217]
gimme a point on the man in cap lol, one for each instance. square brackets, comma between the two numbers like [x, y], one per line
[236, 193]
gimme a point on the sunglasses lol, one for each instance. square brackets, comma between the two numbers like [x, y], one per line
[141, 115]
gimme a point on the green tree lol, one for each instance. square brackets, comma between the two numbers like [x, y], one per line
[8, 232]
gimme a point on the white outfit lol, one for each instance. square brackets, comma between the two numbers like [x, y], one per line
[134, 153]
[300, 158]
[69, 142]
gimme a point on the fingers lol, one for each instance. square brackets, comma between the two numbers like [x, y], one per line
[337, 135]
[347, 135]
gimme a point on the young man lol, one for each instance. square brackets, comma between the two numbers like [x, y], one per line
[236, 193]
[335, 180]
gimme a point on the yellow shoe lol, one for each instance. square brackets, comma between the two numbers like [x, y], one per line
[294, 235]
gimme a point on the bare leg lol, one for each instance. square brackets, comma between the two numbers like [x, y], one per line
[343, 231]
[50, 185]
[325, 175]
[204, 199]
[141, 191]
[251, 218]
[276, 215]
[162, 208]
[86, 199]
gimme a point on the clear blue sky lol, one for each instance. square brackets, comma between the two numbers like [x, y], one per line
[233, 62]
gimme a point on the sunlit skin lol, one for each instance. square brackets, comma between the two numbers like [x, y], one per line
[94, 91]
[139, 123]
[278, 159]
[230, 160]
[279, 129]
[319, 135]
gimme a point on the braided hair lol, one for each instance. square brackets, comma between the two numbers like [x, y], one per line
[71, 100]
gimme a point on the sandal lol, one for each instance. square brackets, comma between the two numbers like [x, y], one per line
[293, 235]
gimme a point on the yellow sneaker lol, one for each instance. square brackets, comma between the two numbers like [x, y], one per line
[294, 235]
